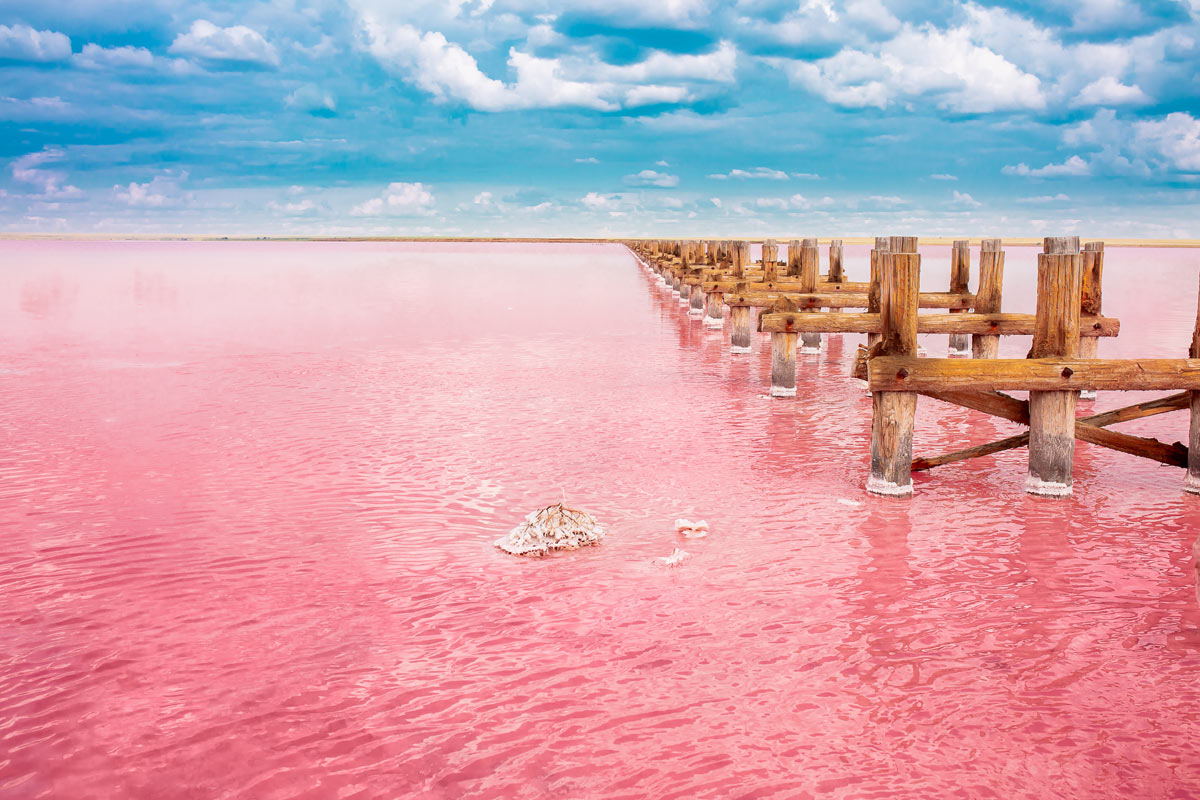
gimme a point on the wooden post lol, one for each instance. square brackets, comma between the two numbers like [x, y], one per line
[1052, 414]
[741, 320]
[837, 273]
[1093, 271]
[783, 354]
[770, 255]
[793, 266]
[738, 252]
[987, 298]
[960, 278]
[715, 314]
[882, 246]
[810, 270]
[1192, 482]
[893, 413]
[697, 302]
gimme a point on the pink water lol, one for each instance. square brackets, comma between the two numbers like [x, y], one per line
[248, 494]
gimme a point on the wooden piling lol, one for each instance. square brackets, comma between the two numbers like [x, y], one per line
[1091, 300]
[837, 273]
[793, 265]
[810, 270]
[1192, 481]
[783, 354]
[770, 257]
[738, 252]
[893, 413]
[741, 321]
[987, 298]
[882, 246]
[715, 310]
[960, 278]
[1052, 414]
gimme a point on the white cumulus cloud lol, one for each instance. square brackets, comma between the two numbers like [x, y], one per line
[400, 199]
[236, 43]
[649, 177]
[23, 43]
[1073, 166]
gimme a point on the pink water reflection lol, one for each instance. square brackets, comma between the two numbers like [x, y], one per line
[248, 491]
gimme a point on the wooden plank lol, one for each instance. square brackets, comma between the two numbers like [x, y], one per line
[826, 299]
[895, 374]
[966, 323]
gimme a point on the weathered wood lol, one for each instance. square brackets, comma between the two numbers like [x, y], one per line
[994, 403]
[793, 265]
[1060, 245]
[1090, 300]
[741, 319]
[882, 245]
[770, 255]
[1192, 482]
[825, 299]
[738, 253]
[783, 364]
[1147, 448]
[1052, 414]
[968, 323]
[960, 277]
[837, 273]
[757, 283]
[893, 414]
[890, 374]
[810, 269]
[714, 316]
[988, 297]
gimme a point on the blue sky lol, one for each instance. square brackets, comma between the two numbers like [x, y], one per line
[601, 117]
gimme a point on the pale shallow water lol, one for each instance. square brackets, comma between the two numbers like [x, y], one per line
[248, 494]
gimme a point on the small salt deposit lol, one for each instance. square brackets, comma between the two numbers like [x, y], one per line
[677, 557]
[556, 527]
[692, 530]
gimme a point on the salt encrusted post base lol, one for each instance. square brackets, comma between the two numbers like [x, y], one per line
[783, 391]
[1035, 485]
[887, 488]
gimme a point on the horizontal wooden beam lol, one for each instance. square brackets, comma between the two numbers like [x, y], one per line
[832, 299]
[780, 285]
[994, 403]
[896, 374]
[995, 324]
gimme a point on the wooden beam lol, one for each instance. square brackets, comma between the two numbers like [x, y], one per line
[994, 403]
[897, 374]
[1085, 428]
[966, 323]
[832, 299]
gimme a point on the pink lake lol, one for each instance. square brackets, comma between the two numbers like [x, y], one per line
[248, 494]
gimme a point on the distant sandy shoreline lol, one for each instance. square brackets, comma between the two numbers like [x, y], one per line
[1019, 241]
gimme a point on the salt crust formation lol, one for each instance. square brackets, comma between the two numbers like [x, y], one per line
[556, 527]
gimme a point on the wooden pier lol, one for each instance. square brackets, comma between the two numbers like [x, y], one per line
[797, 305]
